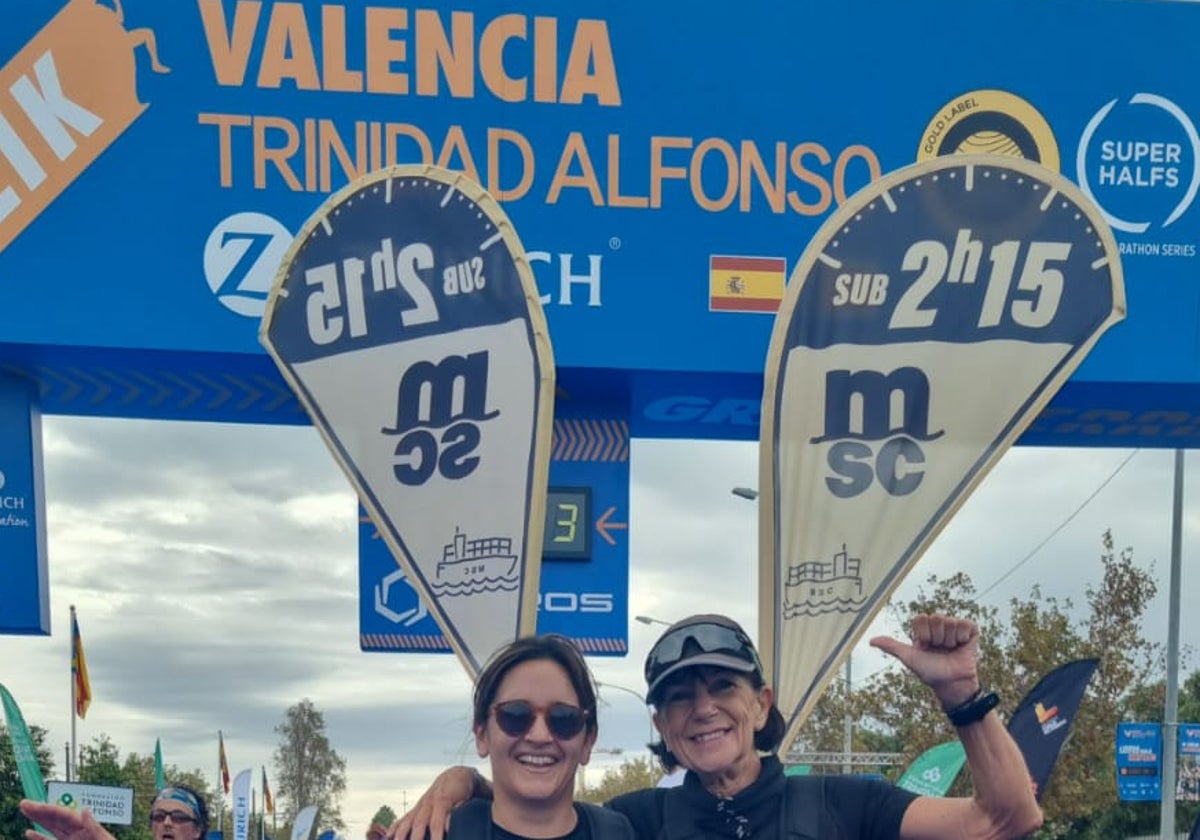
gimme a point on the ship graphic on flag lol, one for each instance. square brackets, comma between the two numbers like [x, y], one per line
[745, 284]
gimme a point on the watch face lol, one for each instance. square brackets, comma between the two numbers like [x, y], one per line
[406, 318]
[926, 325]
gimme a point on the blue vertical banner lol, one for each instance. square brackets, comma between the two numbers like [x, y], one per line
[925, 326]
[1187, 779]
[1139, 762]
[24, 586]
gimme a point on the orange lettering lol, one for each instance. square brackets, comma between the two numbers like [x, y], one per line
[456, 143]
[230, 52]
[615, 199]
[491, 57]
[591, 70]
[334, 73]
[382, 51]
[264, 154]
[435, 51]
[225, 124]
[575, 149]
[731, 174]
[660, 171]
[287, 51]
[753, 165]
[808, 177]
[496, 136]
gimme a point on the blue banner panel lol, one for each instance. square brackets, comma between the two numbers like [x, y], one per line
[24, 586]
[584, 592]
[665, 170]
[1187, 784]
[1139, 752]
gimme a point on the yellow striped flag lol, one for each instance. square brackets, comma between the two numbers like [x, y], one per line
[268, 800]
[83, 686]
[746, 284]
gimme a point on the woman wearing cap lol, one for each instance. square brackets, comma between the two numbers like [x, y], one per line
[718, 718]
[177, 813]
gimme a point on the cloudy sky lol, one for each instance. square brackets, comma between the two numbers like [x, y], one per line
[214, 571]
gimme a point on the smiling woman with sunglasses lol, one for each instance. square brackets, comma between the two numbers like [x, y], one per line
[535, 722]
[718, 719]
[177, 813]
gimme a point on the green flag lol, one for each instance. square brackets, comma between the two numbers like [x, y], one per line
[23, 750]
[934, 770]
[160, 780]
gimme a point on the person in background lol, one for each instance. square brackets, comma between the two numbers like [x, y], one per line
[177, 813]
[718, 719]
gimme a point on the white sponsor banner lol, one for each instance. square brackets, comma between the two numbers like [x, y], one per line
[926, 325]
[406, 318]
[109, 804]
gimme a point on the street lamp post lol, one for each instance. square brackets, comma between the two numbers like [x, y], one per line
[641, 699]
[647, 619]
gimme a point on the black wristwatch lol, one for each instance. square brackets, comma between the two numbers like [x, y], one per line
[974, 709]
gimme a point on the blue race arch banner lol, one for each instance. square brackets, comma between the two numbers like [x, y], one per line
[925, 326]
[406, 320]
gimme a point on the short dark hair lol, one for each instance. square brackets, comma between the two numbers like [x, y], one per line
[551, 646]
[766, 739]
[201, 806]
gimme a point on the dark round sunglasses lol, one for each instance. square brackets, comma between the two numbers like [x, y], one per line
[709, 638]
[515, 718]
[176, 817]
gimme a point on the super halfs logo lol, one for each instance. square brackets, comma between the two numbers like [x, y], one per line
[1137, 161]
[437, 436]
[65, 98]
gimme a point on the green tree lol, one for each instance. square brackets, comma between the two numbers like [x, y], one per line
[383, 818]
[1035, 635]
[12, 824]
[631, 774]
[309, 769]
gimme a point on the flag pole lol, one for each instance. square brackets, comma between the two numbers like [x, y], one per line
[220, 792]
[72, 760]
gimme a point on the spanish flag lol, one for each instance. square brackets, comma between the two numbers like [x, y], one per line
[746, 284]
[224, 762]
[268, 800]
[83, 687]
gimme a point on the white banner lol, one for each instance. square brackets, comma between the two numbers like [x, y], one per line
[406, 319]
[240, 805]
[926, 325]
[109, 805]
[303, 826]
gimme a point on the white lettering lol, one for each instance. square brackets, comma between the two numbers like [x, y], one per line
[50, 109]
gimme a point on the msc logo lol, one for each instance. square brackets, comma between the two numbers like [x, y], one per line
[876, 421]
[994, 121]
[425, 403]
[1138, 160]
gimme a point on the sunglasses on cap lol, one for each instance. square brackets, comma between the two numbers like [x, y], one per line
[516, 717]
[707, 637]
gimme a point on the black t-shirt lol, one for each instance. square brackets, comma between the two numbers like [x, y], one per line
[850, 808]
[580, 832]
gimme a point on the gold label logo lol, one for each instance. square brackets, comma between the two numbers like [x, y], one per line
[991, 121]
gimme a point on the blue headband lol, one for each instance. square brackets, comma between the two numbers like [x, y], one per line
[179, 795]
